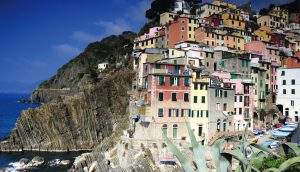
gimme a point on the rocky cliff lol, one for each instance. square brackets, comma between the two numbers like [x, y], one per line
[81, 106]
[75, 122]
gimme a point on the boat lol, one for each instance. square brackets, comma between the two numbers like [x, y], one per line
[275, 144]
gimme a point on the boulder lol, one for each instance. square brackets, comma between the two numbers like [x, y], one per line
[24, 161]
[37, 161]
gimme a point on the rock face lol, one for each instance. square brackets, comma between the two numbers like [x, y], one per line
[75, 122]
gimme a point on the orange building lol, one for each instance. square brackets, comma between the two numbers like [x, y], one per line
[291, 62]
[215, 37]
[180, 30]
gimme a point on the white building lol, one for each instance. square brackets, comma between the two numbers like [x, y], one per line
[103, 66]
[180, 6]
[288, 96]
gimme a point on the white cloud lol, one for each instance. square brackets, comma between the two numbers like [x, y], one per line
[84, 37]
[137, 12]
[114, 27]
[66, 50]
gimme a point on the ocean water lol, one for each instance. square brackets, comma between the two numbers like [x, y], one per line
[10, 110]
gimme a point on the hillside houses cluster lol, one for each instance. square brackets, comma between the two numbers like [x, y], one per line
[216, 69]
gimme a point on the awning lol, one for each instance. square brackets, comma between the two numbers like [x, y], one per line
[280, 134]
[286, 129]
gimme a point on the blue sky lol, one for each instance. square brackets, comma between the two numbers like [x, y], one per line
[39, 36]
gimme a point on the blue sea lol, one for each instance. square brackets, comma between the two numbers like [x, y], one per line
[10, 110]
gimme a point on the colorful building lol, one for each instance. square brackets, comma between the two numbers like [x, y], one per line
[276, 18]
[207, 9]
[167, 99]
[216, 37]
[232, 19]
[181, 30]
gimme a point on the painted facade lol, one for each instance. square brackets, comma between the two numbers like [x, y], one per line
[168, 98]
[181, 30]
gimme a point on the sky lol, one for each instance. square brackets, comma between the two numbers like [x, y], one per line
[39, 36]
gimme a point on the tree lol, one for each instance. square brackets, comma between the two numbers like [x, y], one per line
[263, 11]
[158, 7]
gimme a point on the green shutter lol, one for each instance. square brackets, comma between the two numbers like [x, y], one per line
[225, 93]
[182, 112]
[171, 80]
[170, 112]
[186, 81]
[177, 112]
[161, 80]
[178, 81]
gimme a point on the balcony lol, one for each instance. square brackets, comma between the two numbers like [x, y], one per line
[171, 72]
[204, 80]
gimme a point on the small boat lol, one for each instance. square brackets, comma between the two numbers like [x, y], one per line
[275, 144]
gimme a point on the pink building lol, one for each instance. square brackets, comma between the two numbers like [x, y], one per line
[269, 54]
[243, 99]
[168, 95]
[153, 32]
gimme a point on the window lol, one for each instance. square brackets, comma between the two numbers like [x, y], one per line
[224, 106]
[198, 75]
[200, 130]
[234, 111]
[160, 112]
[182, 29]
[186, 81]
[240, 111]
[203, 99]
[190, 28]
[186, 97]
[243, 63]
[283, 82]
[195, 86]
[293, 82]
[283, 73]
[160, 96]
[241, 98]
[292, 103]
[284, 91]
[218, 107]
[202, 113]
[195, 99]
[225, 93]
[161, 80]
[174, 98]
[207, 114]
[235, 98]
[165, 130]
[293, 91]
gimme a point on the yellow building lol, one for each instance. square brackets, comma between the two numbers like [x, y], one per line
[224, 4]
[277, 11]
[234, 20]
[276, 18]
[167, 17]
[199, 106]
[207, 9]
[263, 33]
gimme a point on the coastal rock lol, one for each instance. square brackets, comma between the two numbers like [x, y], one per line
[37, 161]
[24, 161]
[78, 122]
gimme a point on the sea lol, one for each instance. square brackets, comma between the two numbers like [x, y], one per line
[10, 110]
